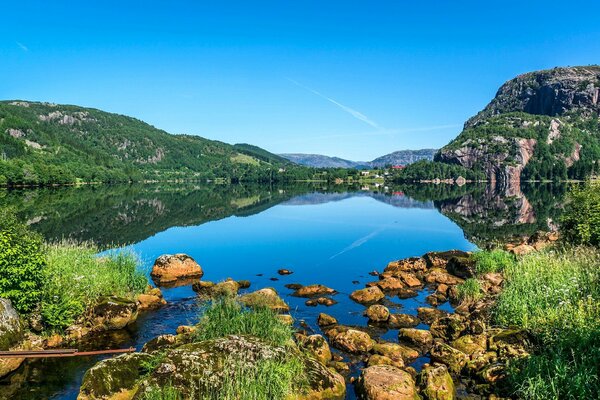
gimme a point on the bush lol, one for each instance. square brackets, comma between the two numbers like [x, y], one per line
[21, 263]
[492, 261]
[555, 295]
[76, 278]
[580, 223]
[227, 317]
[469, 290]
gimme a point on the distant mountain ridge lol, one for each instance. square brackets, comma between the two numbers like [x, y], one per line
[401, 157]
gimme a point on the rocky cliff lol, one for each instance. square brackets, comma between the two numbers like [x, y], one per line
[540, 125]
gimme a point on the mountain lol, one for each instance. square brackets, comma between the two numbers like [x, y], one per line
[540, 125]
[43, 143]
[402, 157]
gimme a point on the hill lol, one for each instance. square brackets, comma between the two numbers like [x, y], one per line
[44, 143]
[402, 157]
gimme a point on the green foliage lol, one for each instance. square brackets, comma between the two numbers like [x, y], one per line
[21, 263]
[556, 296]
[430, 170]
[492, 261]
[580, 222]
[163, 393]
[469, 290]
[227, 317]
[76, 278]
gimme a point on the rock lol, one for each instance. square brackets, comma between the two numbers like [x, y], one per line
[479, 362]
[244, 284]
[429, 315]
[169, 268]
[350, 340]
[9, 365]
[326, 320]
[438, 259]
[397, 321]
[448, 328]
[11, 331]
[163, 342]
[203, 288]
[389, 284]
[494, 278]
[406, 293]
[286, 319]
[113, 313]
[152, 299]
[409, 279]
[118, 375]
[435, 299]
[318, 347]
[266, 297]
[377, 359]
[471, 345]
[454, 359]
[462, 266]
[313, 290]
[324, 301]
[185, 329]
[293, 286]
[367, 295]
[396, 351]
[436, 383]
[407, 264]
[418, 338]
[439, 275]
[442, 289]
[385, 382]
[284, 272]
[510, 343]
[493, 373]
[522, 249]
[210, 290]
[378, 313]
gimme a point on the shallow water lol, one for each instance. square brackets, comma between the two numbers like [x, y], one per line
[334, 239]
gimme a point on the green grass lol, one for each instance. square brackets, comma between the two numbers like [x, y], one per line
[163, 393]
[227, 317]
[492, 261]
[469, 290]
[75, 278]
[555, 295]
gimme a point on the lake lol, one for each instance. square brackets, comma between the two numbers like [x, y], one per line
[329, 235]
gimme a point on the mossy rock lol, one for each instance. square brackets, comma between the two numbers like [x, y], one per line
[436, 383]
[266, 297]
[11, 330]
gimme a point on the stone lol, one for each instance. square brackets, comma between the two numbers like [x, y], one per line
[284, 272]
[409, 279]
[454, 359]
[418, 338]
[436, 383]
[429, 315]
[326, 320]
[151, 300]
[522, 249]
[510, 343]
[169, 268]
[112, 313]
[471, 345]
[350, 340]
[386, 382]
[494, 278]
[313, 290]
[293, 286]
[244, 284]
[367, 295]
[318, 347]
[397, 321]
[324, 301]
[408, 264]
[185, 329]
[406, 293]
[389, 284]
[377, 359]
[266, 297]
[448, 328]
[440, 275]
[287, 319]
[462, 266]
[396, 351]
[378, 313]
[438, 259]
[11, 330]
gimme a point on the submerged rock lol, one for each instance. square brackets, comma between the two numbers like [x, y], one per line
[324, 301]
[168, 269]
[313, 290]
[386, 382]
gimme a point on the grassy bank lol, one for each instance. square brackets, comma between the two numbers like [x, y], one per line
[60, 282]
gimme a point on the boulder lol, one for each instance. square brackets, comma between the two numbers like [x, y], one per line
[113, 313]
[313, 290]
[418, 338]
[350, 340]
[266, 297]
[471, 345]
[367, 295]
[326, 320]
[409, 279]
[151, 299]
[406, 293]
[437, 259]
[397, 321]
[440, 275]
[396, 351]
[389, 284]
[168, 269]
[510, 343]
[429, 315]
[324, 301]
[407, 264]
[454, 359]
[11, 331]
[318, 347]
[522, 249]
[462, 266]
[448, 328]
[436, 383]
[377, 359]
[386, 382]
[378, 313]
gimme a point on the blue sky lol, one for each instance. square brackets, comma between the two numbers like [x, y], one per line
[356, 79]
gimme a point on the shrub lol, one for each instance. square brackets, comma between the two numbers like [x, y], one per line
[226, 316]
[21, 263]
[580, 223]
[492, 261]
[469, 290]
[76, 278]
[555, 295]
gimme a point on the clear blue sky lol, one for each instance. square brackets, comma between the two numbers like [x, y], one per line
[356, 79]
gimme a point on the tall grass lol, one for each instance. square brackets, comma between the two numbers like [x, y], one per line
[163, 393]
[492, 261]
[75, 278]
[469, 290]
[555, 295]
[226, 316]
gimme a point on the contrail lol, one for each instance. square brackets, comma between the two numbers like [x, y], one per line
[22, 46]
[356, 114]
[359, 242]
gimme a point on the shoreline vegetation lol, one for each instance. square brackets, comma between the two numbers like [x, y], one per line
[526, 322]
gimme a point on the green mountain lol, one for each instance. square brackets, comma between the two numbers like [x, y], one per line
[43, 143]
[541, 125]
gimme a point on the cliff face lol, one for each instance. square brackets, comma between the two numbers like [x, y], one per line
[543, 117]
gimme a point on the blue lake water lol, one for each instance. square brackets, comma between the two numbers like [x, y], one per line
[328, 238]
